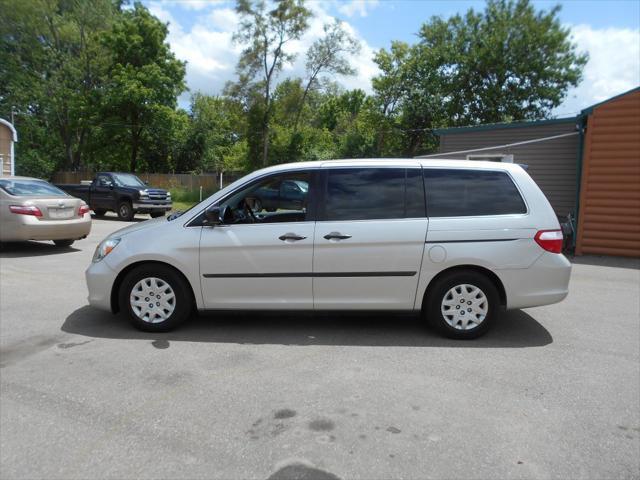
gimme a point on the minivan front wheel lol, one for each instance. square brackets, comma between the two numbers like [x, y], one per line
[462, 304]
[155, 298]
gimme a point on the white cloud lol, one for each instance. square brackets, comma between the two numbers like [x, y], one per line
[193, 4]
[211, 55]
[359, 7]
[613, 67]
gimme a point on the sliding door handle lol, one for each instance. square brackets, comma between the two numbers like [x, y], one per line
[291, 236]
[336, 236]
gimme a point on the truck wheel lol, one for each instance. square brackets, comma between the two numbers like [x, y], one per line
[99, 212]
[125, 211]
[156, 214]
[155, 298]
[462, 305]
[63, 243]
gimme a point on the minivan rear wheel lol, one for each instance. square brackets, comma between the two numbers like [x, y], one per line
[462, 304]
[155, 298]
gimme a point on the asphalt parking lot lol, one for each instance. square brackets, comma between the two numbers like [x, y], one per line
[550, 392]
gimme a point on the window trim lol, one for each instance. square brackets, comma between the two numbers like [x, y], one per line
[498, 170]
[312, 204]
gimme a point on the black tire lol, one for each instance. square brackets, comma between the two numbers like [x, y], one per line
[99, 212]
[157, 214]
[183, 297]
[125, 211]
[436, 295]
[63, 243]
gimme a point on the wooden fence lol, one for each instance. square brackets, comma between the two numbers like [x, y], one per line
[185, 181]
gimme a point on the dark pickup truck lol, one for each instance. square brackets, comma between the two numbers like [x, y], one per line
[123, 193]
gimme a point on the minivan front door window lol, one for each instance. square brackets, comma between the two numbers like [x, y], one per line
[280, 198]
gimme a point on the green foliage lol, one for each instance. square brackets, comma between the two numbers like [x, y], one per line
[94, 85]
[182, 195]
[507, 63]
[143, 81]
[264, 31]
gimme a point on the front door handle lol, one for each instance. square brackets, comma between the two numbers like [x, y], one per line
[336, 236]
[291, 236]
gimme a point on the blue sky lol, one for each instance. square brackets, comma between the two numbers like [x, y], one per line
[200, 33]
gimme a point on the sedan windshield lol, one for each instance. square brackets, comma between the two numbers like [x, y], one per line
[127, 180]
[29, 188]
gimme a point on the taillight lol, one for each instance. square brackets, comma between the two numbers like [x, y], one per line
[550, 240]
[83, 209]
[25, 210]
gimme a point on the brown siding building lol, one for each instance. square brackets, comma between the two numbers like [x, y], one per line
[588, 166]
[609, 220]
[8, 137]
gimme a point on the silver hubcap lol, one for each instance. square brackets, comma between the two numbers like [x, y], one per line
[152, 300]
[464, 307]
[124, 211]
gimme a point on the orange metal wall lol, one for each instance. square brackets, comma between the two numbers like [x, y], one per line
[609, 219]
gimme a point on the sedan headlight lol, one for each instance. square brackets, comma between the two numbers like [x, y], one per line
[105, 248]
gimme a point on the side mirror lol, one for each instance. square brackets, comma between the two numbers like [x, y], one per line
[212, 215]
[111, 185]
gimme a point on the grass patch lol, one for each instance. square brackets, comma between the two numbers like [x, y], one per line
[183, 199]
[182, 206]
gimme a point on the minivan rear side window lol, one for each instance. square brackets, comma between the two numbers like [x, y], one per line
[459, 192]
[373, 193]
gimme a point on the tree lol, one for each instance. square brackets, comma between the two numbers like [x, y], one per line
[51, 62]
[144, 81]
[265, 33]
[327, 55]
[217, 125]
[506, 63]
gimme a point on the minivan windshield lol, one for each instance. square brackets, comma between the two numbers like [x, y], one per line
[127, 180]
[29, 188]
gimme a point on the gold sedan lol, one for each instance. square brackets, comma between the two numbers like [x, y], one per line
[32, 209]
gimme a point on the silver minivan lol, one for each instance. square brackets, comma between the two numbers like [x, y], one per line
[454, 240]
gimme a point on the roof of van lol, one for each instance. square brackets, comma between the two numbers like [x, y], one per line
[393, 162]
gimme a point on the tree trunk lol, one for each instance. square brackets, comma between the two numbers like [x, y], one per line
[265, 144]
[135, 141]
[265, 127]
[134, 150]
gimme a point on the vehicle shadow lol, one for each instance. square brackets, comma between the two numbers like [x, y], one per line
[602, 261]
[115, 218]
[33, 249]
[513, 329]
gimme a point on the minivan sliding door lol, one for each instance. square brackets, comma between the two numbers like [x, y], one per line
[369, 238]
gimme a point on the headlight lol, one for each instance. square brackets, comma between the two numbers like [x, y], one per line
[143, 193]
[105, 248]
[168, 194]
